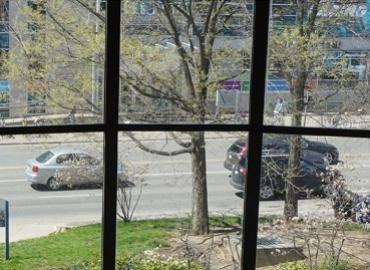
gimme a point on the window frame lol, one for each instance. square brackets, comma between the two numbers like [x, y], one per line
[255, 128]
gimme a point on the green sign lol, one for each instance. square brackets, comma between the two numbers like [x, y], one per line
[246, 86]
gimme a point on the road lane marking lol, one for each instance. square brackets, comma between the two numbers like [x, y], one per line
[358, 159]
[5, 168]
[16, 167]
[70, 196]
[180, 173]
[182, 161]
[12, 180]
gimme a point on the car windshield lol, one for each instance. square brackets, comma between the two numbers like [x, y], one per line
[45, 157]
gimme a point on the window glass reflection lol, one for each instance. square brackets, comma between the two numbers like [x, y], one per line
[320, 54]
[177, 66]
[171, 196]
[319, 202]
[53, 183]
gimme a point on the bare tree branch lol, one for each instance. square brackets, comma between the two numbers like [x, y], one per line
[185, 58]
[179, 141]
[155, 151]
[90, 9]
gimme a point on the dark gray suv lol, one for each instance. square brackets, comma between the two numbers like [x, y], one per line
[274, 174]
[280, 142]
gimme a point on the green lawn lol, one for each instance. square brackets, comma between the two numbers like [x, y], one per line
[60, 250]
[82, 244]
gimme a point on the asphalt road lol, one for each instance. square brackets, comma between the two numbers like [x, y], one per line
[166, 190]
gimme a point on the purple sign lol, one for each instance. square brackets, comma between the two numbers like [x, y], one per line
[231, 85]
[2, 213]
[2, 218]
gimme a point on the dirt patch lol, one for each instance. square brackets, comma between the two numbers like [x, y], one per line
[214, 251]
[320, 240]
[218, 250]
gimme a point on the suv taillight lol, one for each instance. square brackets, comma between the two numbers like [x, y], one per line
[243, 151]
[243, 171]
[35, 168]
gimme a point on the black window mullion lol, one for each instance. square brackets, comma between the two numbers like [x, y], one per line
[183, 127]
[23, 130]
[257, 96]
[111, 97]
[318, 131]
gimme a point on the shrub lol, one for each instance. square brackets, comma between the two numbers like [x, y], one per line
[148, 261]
[86, 266]
[326, 265]
[294, 266]
[155, 262]
[333, 265]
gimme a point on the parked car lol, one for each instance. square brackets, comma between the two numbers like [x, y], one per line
[280, 142]
[274, 170]
[60, 167]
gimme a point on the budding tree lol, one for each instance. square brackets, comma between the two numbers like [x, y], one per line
[174, 54]
[299, 52]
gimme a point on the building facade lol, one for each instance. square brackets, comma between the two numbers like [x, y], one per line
[352, 42]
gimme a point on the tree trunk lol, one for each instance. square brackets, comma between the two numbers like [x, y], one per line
[199, 194]
[291, 194]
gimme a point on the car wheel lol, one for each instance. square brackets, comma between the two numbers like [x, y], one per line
[329, 156]
[53, 184]
[266, 192]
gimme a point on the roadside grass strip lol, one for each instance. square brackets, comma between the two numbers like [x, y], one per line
[81, 244]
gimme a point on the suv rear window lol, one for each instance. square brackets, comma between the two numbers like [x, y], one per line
[237, 146]
[45, 157]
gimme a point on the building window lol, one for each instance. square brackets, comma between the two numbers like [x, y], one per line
[4, 10]
[103, 5]
[35, 103]
[4, 98]
[145, 7]
[4, 40]
[37, 5]
[4, 35]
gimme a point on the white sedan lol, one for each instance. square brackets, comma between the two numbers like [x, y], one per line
[67, 167]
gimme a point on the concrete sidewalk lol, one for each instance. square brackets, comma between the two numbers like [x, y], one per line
[98, 137]
[310, 120]
[34, 229]
[349, 122]
[48, 139]
[24, 228]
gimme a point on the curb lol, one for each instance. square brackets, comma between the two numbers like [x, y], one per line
[31, 141]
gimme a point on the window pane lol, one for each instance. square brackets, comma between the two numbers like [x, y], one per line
[319, 204]
[318, 64]
[179, 67]
[54, 65]
[56, 208]
[4, 41]
[165, 192]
